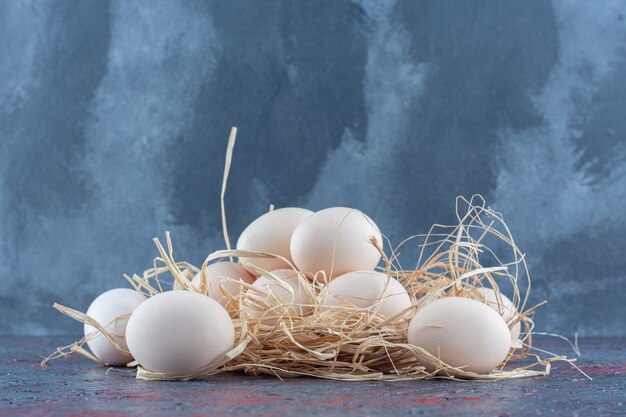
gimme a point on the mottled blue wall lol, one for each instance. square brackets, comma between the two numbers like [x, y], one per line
[114, 117]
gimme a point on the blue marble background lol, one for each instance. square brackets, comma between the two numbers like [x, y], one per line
[114, 117]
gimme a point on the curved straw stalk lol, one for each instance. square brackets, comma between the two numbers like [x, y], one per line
[64, 351]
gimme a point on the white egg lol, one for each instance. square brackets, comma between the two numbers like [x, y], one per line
[504, 307]
[271, 233]
[364, 289]
[217, 274]
[337, 241]
[296, 298]
[105, 309]
[179, 331]
[462, 333]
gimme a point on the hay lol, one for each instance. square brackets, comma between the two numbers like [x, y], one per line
[349, 343]
[77, 347]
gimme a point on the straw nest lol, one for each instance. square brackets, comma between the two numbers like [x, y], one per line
[350, 343]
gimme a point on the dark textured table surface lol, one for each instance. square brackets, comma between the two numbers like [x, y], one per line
[77, 387]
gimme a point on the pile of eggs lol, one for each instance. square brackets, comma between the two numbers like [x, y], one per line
[182, 331]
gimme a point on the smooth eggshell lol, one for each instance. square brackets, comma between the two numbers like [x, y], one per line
[364, 289]
[462, 333]
[217, 274]
[104, 309]
[504, 307]
[271, 233]
[179, 331]
[337, 241]
[300, 298]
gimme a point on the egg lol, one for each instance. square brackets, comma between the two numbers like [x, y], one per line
[337, 241]
[271, 233]
[364, 289]
[179, 331]
[504, 307]
[462, 333]
[256, 305]
[217, 274]
[105, 309]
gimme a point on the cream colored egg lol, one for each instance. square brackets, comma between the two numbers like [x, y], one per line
[462, 333]
[337, 241]
[111, 310]
[179, 331]
[505, 307]
[268, 297]
[218, 274]
[271, 233]
[365, 289]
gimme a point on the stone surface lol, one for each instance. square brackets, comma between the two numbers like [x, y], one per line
[77, 387]
[114, 116]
